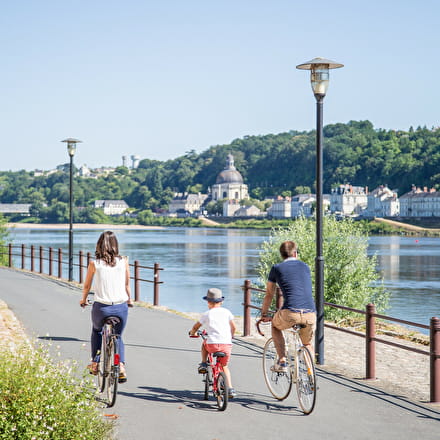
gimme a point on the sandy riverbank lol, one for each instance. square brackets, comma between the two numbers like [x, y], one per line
[78, 226]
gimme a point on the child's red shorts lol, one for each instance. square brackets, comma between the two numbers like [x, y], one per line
[226, 348]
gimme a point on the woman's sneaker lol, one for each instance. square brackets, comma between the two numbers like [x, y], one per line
[232, 393]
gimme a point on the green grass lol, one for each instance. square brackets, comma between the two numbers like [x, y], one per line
[43, 400]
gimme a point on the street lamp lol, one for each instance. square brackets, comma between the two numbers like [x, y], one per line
[319, 78]
[71, 148]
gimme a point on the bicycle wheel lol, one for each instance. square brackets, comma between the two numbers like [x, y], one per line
[102, 373]
[279, 383]
[222, 391]
[206, 379]
[113, 371]
[306, 380]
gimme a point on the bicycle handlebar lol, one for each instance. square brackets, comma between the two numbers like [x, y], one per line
[257, 324]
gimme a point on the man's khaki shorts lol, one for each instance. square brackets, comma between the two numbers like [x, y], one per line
[285, 318]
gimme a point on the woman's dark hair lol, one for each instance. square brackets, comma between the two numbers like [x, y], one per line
[287, 249]
[107, 248]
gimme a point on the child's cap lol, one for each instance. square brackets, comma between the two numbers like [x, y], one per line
[214, 295]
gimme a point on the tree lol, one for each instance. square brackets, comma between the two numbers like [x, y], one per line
[350, 276]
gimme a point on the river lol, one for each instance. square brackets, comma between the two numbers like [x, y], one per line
[195, 259]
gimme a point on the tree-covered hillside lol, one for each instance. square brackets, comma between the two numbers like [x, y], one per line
[355, 153]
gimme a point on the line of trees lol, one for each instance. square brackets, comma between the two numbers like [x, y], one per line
[282, 164]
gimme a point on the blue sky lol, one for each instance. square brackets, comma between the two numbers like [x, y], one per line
[159, 78]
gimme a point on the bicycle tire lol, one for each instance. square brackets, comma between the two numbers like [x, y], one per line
[306, 380]
[222, 391]
[206, 380]
[113, 372]
[102, 374]
[278, 383]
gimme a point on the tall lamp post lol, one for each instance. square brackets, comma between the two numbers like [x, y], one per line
[319, 78]
[71, 148]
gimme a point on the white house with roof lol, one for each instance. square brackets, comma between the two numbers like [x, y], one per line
[348, 199]
[302, 205]
[420, 203]
[186, 202]
[281, 208]
[111, 207]
[382, 202]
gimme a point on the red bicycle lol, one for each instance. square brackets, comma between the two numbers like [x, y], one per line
[215, 378]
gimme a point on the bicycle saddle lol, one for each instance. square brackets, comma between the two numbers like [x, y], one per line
[113, 320]
[219, 354]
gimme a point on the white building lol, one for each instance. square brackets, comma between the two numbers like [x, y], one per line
[229, 183]
[302, 205]
[420, 203]
[348, 200]
[382, 202]
[185, 202]
[111, 207]
[281, 208]
[247, 211]
[230, 207]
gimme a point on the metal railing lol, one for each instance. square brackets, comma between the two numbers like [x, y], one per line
[369, 335]
[49, 257]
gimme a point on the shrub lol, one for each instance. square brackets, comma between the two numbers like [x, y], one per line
[41, 400]
[350, 275]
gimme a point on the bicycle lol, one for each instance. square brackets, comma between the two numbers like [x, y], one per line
[108, 362]
[300, 369]
[215, 378]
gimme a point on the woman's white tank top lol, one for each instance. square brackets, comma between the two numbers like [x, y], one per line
[109, 282]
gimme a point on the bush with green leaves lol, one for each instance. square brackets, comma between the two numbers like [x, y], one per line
[350, 275]
[3, 237]
[40, 400]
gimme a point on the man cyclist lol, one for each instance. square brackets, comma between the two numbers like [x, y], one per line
[293, 278]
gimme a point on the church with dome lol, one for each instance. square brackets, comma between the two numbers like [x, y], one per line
[229, 183]
[228, 186]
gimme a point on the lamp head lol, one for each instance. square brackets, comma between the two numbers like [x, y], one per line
[71, 145]
[319, 73]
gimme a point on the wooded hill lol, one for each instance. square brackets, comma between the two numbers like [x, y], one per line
[284, 163]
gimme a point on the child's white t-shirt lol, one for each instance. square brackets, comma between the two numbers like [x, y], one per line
[216, 323]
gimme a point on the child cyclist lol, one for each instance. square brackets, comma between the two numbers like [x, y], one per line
[219, 324]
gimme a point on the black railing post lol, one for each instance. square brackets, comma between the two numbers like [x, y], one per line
[247, 310]
[80, 258]
[40, 254]
[156, 284]
[370, 334]
[435, 359]
[22, 255]
[60, 263]
[50, 261]
[136, 281]
[32, 258]
[10, 254]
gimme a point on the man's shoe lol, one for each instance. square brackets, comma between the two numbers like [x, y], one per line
[203, 368]
[279, 367]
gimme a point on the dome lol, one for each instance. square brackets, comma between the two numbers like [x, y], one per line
[230, 173]
[229, 176]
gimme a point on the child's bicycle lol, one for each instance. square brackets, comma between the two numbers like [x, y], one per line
[300, 369]
[215, 378]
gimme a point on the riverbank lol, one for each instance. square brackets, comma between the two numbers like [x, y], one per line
[90, 226]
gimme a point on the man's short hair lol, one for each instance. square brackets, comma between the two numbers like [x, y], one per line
[288, 249]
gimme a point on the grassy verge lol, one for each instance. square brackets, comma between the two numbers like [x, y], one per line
[40, 399]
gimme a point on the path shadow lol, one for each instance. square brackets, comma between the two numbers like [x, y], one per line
[402, 402]
[61, 338]
[195, 400]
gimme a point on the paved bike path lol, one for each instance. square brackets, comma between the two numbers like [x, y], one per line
[163, 398]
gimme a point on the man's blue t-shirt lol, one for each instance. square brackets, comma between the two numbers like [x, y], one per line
[293, 277]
